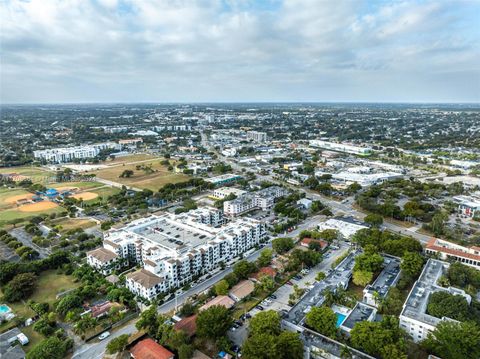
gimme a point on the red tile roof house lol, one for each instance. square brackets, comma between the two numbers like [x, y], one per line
[101, 309]
[187, 325]
[306, 242]
[264, 271]
[149, 349]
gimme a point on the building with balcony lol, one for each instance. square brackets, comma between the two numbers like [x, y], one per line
[173, 249]
[262, 199]
[67, 154]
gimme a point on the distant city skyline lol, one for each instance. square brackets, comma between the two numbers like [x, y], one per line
[296, 51]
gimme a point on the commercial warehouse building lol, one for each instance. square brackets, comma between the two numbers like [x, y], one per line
[341, 147]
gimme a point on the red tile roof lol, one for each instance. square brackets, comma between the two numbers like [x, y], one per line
[432, 245]
[264, 271]
[188, 325]
[306, 241]
[149, 349]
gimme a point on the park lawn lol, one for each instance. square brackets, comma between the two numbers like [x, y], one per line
[10, 214]
[50, 283]
[73, 223]
[104, 192]
[82, 185]
[36, 174]
[153, 181]
[131, 158]
[33, 337]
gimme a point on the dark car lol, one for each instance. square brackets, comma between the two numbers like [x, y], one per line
[273, 296]
[259, 307]
[235, 348]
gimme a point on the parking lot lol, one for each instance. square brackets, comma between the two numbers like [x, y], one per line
[280, 302]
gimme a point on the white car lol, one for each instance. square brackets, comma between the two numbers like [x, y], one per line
[104, 335]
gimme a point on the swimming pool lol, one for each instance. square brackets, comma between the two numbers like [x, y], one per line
[4, 308]
[340, 318]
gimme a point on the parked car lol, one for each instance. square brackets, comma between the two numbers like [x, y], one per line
[104, 335]
[259, 307]
[273, 296]
[289, 283]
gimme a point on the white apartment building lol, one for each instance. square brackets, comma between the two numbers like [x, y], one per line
[103, 260]
[468, 205]
[341, 147]
[257, 136]
[67, 154]
[173, 249]
[414, 318]
[223, 192]
[262, 199]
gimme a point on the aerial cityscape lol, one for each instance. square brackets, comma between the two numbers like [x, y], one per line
[153, 205]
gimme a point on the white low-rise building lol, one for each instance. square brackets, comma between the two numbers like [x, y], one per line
[262, 199]
[223, 192]
[341, 147]
[468, 205]
[363, 179]
[174, 249]
[414, 318]
[67, 154]
[345, 226]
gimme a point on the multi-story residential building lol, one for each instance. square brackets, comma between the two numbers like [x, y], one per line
[468, 205]
[257, 136]
[341, 147]
[103, 259]
[262, 199]
[414, 318]
[66, 154]
[174, 249]
[223, 192]
[470, 256]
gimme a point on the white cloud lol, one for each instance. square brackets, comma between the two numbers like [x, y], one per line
[146, 50]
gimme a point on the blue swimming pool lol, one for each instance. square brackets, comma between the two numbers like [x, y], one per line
[4, 308]
[340, 318]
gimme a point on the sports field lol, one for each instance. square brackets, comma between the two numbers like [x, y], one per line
[141, 178]
[36, 174]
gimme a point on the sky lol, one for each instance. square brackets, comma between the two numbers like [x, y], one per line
[76, 51]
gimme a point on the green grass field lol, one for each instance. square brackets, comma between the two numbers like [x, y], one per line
[73, 223]
[82, 185]
[129, 159]
[105, 192]
[140, 179]
[49, 284]
[36, 174]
